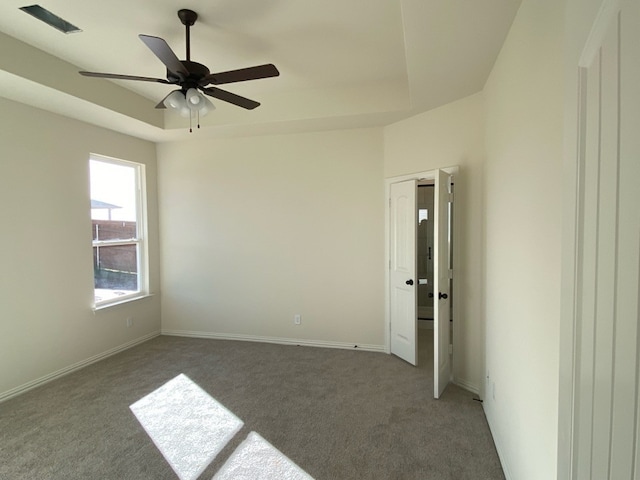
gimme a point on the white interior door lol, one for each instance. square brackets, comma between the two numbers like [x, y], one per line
[402, 277]
[441, 293]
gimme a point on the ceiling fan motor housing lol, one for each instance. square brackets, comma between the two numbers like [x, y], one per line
[197, 72]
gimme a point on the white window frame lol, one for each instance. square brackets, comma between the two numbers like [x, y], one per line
[140, 241]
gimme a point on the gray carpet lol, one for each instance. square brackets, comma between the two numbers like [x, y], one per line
[338, 414]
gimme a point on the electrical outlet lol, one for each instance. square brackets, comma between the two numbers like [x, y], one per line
[297, 319]
[129, 321]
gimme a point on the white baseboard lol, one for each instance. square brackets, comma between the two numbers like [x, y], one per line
[277, 340]
[72, 368]
[496, 441]
[461, 382]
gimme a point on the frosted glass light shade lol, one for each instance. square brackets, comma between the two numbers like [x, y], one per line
[177, 101]
[188, 103]
[194, 98]
[206, 106]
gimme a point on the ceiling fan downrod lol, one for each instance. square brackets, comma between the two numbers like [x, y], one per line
[188, 19]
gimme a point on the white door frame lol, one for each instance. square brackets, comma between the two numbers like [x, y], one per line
[419, 176]
[579, 452]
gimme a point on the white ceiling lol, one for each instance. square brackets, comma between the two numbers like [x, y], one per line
[342, 63]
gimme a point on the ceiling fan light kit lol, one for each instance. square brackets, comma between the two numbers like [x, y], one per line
[176, 101]
[193, 78]
[189, 104]
[193, 98]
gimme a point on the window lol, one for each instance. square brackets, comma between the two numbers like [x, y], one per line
[117, 217]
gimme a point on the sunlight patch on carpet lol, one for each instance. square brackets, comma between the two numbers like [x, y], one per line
[187, 425]
[255, 458]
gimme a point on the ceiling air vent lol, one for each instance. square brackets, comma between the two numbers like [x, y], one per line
[50, 19]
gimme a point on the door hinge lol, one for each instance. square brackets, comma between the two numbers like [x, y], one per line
[450, 199]
[450, 349]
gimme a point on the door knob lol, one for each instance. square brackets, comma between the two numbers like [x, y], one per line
[442, 295]
[409, 282]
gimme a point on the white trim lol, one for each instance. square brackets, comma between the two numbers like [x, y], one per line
[608, 10]
[573, 205]
[120, 301]
[462, 383]
[501, 456]
[116, 243]
[276, 340]
[75, 367]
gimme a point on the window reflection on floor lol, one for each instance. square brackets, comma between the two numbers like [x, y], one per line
[190, 428]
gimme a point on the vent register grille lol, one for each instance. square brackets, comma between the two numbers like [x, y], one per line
[50, 19]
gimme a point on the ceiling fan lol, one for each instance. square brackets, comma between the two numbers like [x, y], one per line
[192, 76]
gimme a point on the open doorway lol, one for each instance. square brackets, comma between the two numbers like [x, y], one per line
[403, 279]
[424, 270]
[425, 249]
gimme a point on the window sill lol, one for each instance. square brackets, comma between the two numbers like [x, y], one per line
[121, 301]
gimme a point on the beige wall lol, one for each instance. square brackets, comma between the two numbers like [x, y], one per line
[447, 136]
[523, 203]
[46, 286]
[255, 230]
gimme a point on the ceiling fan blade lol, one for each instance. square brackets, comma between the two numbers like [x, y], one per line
[163, 51]
[231, 98]
[241, 75]
[123, 77]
